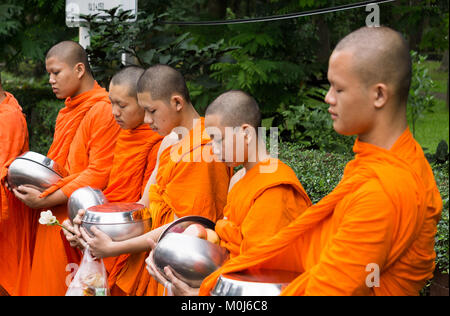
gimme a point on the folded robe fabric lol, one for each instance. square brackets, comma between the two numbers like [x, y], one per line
[186, 184]
[83, 144]
[17, 221]
[259, 205]
[135, 158]
[381, 217]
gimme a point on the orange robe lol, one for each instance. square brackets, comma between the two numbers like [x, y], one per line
[372, 235]
[84, 140]
[186, 184]
[134, 160]
[17, 221]
[259, 205]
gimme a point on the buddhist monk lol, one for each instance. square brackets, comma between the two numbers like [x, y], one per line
[266, 194]
[83, 144]
[16, 220]
[183, 183]
[135, 153]
[374, 233]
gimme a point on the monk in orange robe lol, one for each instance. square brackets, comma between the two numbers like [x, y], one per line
[183, 183]
[135, 153]
[264, 196]
[374, 233]
[83, 144]
[17, 221]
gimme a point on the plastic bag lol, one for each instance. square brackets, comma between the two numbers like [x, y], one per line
[91, 278]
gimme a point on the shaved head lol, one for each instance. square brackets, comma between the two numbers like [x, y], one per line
[236, 108]
[129, 77]
[380, 55]
[71, 53]
[163, 81]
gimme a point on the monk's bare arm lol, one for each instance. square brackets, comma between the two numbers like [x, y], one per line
[137, 244]
[167, 141]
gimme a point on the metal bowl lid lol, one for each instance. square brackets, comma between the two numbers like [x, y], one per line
[261, 282]
[116, 213]
[182, 223]
[45, 162]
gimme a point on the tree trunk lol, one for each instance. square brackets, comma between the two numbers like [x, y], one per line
[324, 38]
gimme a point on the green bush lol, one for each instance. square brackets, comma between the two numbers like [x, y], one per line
[319, 172]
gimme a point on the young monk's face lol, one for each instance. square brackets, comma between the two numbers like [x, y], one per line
[125, 109]
[229, 144]
[348, 97]
[160, 115]
[64, 79]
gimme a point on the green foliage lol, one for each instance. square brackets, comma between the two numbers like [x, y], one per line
[309, 124]
[441, 174]
[28, 28]
[420, 98]
[148, 42]
[319, 172]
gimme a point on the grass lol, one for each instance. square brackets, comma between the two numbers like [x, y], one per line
[433, 127]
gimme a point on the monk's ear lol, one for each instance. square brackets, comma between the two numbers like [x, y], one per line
[177, 102]
[80, 70]
[249, 133]
[381, 95]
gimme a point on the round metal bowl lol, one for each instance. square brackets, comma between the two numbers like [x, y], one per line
[253, 283]
[83, 198]
[120, 221]
[191, 258]
[36, 170]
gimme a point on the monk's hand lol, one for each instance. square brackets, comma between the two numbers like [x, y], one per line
[71, 236]
[101, 245]
[77, 222]
[153, 270]
[29, 196]
[179, 288]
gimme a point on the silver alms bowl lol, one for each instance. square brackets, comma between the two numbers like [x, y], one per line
[120, 221]
[253, 283]
[83, 198]
[191, 258]
[36, 170]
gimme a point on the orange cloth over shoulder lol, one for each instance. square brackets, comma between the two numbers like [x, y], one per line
[382, 215]
[135, 157]
[266, 199]
[186, 184]
[84, 140]
[17, 221]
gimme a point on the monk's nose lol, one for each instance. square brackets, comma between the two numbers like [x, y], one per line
[329, 98]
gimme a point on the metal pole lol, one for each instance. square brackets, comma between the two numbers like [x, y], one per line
[84, 37]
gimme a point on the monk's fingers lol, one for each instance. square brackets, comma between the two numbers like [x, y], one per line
[69, 229]
[151, 243]
[174, 280]
[98, 234]
[85, 236]
[78, 217]
[153, 270]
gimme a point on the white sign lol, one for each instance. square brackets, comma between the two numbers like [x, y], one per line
[75, 8]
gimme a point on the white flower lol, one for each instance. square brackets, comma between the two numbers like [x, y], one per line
[47, 218]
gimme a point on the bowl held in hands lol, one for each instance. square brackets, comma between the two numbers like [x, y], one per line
[83, 198]
[120, 221]
[191, 258]
[36, 170]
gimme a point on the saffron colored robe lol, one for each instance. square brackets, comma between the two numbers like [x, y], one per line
[259, 205]
[83, 144]
[135, 158]
[17, 221]
[372, 235]
[188, 182]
